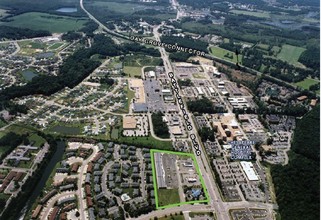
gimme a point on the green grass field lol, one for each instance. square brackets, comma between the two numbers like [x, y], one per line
[262, 14]
[148, 141]
[43, 21]
[168, 197]
[123, 8]
[2, 123]
[222, 53]
[141, 60]
[55, 46]
[263, 46]
[290, 54]
[38, 141]
[305, 84]
[68, 129]
[133, 64]
[133, 71]
[114, 133]
[198, 76]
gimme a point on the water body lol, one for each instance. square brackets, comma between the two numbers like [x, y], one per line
[45, 55]
[67, 10]
[28, 74]
[45, 175]
[65, 130]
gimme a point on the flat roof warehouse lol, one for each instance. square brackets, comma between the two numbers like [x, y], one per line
[249, 171]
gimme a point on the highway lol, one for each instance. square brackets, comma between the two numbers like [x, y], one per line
[201, 160]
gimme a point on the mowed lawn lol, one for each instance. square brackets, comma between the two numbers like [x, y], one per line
[305, 84]
[167, 197]
[259, 14]
[118, 7]
[222, 53]
[44, 21]
[290, 54]
[132, 71]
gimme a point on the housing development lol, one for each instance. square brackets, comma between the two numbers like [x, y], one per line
[159, 110]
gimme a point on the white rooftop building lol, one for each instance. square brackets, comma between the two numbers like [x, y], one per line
[249, 171]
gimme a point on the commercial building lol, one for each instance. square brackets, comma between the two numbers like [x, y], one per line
[129, 122]
[249, 171]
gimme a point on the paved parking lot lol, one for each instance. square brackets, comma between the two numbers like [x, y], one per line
[154, 97]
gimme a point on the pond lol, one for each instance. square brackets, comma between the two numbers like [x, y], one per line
[67, 10]
[28, 74]
[66, 130]
[45, 55]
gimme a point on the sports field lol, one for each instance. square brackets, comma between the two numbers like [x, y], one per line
[44, 21]
[259, 14]
[305, 84]
[290, 53]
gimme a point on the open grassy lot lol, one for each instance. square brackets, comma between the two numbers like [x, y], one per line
[141, 60]
[44, 21]
[114, 63]
[167, 196]
[133, 71]
[148, 141]
[55, 46]
[133, 64]
[114, 133]
[2, 123]
[263, 46]
[224, 54]
[38, 141]
[290, 53]
[70, 129]
[123, 8]
[259, 14]
[305, 84]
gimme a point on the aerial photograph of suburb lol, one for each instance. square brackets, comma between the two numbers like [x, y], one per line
[159, 109]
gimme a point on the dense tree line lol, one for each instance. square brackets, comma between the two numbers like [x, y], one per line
[185, 82]
[185, 42]
[11, 140]
[311, 58]
[297, 184]
[159, 126]
[21, 33]
[179, 56]
[204, 105]
[206, 133]
[71, 36]
[89, 28]
[254, 59]
[138, 48]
